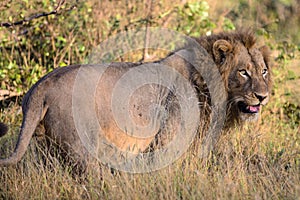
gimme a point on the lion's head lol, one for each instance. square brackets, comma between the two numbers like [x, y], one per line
[245, 70]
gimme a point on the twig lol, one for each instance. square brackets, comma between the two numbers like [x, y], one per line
[6, 94]
[147, 34]
[38, 15]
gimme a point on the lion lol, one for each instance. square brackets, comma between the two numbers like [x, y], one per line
[244, 68]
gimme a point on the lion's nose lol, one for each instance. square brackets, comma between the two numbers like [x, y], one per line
[261, 97]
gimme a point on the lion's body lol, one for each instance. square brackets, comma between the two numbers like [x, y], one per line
[50, 101]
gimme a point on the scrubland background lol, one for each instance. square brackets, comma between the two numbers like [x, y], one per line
[260, 161]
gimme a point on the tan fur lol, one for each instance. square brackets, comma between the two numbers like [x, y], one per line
[49, 101]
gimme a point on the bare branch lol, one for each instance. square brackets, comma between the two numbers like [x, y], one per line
[6, 94]
[38, 15]
[147, 34]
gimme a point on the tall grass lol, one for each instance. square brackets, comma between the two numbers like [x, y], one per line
[252, 163]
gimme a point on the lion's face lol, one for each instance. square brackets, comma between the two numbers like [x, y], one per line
[247, 75]
[248, 84]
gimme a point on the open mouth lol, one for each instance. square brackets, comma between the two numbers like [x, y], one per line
[248, 108]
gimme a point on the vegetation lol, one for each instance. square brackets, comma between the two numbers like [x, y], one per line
[256, 162]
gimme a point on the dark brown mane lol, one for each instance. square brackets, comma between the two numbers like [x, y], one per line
[246, 37]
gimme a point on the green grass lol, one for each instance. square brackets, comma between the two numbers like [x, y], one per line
[258, 161]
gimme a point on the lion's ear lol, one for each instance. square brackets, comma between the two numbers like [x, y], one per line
[221, 49]
[265, 52]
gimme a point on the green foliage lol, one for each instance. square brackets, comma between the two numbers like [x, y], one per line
[194, 19]
[292, 111]
[228, 25]
[31, 50]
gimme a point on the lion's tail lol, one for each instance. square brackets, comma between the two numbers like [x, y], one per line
[31, 118]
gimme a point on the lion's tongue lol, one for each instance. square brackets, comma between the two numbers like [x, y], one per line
[253, 109]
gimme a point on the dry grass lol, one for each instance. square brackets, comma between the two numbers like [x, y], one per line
[259, 161]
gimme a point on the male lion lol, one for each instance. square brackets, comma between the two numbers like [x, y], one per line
[244, 69]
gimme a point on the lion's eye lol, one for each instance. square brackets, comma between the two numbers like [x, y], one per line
[264, 71]
[243, 73]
